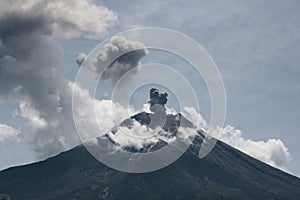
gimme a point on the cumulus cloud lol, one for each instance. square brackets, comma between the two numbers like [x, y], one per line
[8, 133]
[195, 117]
[119, 56]
[29, 61]
[68, 19]
[272, 151]
[29, 112]
[96, 122]
[30, 57]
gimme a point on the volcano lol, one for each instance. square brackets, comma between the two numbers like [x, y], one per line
[225, 173]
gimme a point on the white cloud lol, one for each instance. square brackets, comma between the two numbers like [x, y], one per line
[196, 118]
[138, 136]
[272, 151]
[96, 117]
[67, 19]
[80, 18]
[30, 57]
[30, 113]
[8, 132]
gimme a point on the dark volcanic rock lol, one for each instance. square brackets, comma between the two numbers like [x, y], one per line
[225, 173]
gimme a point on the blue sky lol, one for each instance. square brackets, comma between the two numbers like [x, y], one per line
[255, 44]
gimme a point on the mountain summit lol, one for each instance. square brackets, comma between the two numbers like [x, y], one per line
[225, 173]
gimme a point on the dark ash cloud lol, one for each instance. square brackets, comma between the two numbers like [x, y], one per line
[119, 56]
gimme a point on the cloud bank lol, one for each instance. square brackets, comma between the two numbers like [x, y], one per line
[67, 19]
[30, 56]
[272, 151]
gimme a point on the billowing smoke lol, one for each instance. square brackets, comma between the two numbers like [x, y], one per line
[119, 56]
[29, 61]
[80, 58]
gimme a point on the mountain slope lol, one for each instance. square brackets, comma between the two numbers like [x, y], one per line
[225, 173]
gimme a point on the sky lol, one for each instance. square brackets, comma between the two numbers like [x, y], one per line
[255, 44]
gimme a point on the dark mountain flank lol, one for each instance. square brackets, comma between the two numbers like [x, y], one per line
[225, 173]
